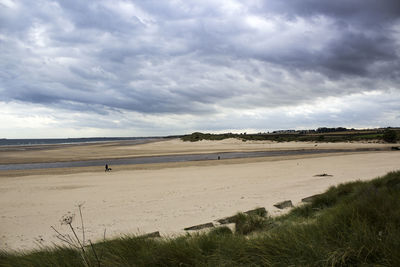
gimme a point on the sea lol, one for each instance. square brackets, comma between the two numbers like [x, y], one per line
[55, 141]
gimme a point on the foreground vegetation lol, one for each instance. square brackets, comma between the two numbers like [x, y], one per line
[353, 224]
[319, 135]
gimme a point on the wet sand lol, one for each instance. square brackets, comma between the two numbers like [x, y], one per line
[125, 149]
[168, 197]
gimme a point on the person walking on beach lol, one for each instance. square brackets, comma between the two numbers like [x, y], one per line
[106, 170]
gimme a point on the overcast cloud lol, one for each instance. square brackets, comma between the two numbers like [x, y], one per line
[132, 68]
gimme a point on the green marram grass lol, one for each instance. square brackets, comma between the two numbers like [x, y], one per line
[352, 224]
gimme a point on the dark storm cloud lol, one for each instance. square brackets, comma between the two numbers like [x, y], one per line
[365, 12]
[191, 57]
[365, 34]
[355, 53]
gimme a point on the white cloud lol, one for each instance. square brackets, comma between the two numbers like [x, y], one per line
[359, 110]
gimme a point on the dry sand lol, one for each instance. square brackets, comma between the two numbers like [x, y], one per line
[169, 197]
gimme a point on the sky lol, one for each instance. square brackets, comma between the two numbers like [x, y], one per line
[77, 68]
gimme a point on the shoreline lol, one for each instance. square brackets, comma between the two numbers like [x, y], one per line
[13, 143]
[173, 158]
[167, 165]
[124, 149]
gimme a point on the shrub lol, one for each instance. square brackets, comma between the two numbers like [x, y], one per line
[223, 230]
[390, 136]
[247, 223]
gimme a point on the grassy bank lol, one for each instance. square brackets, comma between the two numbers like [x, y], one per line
[343, 136]
[353, 224]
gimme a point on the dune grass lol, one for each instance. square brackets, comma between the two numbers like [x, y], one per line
[352, 224]
[344, 136]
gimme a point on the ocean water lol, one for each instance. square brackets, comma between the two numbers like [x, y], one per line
[50, 141]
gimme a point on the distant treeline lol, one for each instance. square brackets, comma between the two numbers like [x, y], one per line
[331, 130]
[323, 134]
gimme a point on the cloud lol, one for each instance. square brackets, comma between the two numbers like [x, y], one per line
[366, 12]
[360, 110]
[192, 59]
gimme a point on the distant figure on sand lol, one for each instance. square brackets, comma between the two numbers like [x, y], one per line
[107, 169]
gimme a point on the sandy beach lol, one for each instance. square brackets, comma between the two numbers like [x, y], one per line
[123, 149]
[166, 197]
